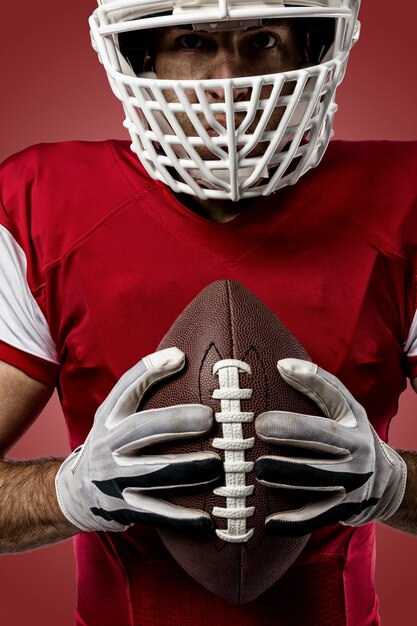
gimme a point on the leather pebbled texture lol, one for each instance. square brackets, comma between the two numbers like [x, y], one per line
[226, 321]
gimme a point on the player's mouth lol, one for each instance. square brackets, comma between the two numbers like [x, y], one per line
[222, 121]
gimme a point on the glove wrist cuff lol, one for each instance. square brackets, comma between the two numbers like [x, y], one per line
[67, 494]
[394, 493]
[392, 496]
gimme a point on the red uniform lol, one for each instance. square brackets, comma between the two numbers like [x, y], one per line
[97, 261]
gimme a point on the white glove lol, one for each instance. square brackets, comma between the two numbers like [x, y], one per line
[104, 484]
[353, 475]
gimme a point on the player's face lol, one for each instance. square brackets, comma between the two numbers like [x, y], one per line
[200, 55]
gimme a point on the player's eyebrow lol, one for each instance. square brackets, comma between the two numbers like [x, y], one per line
[268, 25]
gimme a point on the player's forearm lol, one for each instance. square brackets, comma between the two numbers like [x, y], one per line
[30, 516]
[405, 518]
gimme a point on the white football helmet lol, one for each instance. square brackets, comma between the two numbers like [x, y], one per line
[234, 168]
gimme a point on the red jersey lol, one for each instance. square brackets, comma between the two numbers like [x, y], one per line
[97, 262]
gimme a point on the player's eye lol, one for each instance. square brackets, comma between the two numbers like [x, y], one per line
[190, 41]
[263, 40]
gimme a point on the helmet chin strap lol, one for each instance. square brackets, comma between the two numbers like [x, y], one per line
[243, 174]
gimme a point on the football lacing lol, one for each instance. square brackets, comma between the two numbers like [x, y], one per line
[234, 445]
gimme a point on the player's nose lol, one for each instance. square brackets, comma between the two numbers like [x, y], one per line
[229, 65]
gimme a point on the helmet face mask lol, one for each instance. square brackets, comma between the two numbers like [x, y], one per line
[226, 147]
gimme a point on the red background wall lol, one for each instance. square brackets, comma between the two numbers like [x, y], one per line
[53, 89]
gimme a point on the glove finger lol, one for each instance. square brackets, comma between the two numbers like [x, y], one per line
[323, 388]
[280, 472]
[153, 426]
[325, 438]
[323, 512]
[129, 390]
[136, 507]
[164, 472]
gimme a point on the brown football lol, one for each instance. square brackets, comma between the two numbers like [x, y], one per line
[232, 342]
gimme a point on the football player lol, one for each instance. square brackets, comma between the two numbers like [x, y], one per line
[229, 105]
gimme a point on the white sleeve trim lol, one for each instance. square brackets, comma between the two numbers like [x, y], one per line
[22, 323]
[410, 345]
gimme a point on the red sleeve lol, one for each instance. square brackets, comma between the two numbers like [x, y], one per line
[25, 338]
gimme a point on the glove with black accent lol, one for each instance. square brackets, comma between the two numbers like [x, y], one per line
[107, 483]
[353, 476]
